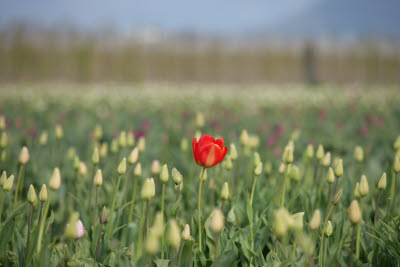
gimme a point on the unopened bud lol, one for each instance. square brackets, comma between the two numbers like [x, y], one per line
[130, 139]
[4, 140]
[339, 168]
[203, 174]
[133, 156]
[256, 159]
[326, 160]
[148, 189]
[330, 177]
[104, 150]
[354, 212]
[2, 123]
[96, 156]
[178, 187]
[217, 221]
[382, 182]
[184, 144]
[268, 167]
[122, 167]
[71, 153]
[43, 193]
[82, 168]
[315, 220]
[364, 188]
[77, 162]
[281, 221]
[174, 234]
[138, 170]
[294, 173]
[225, 191]
[164, 175]
[258, 169]
[309, 154]
[287, 156]
[396, 165]
[59, 132]
[114, 146]
[103, 217]
[55, 180]
[227, 163]
[296, 222]
[155, 167]
[357, 190]
[98, 132]
[233, 152]
[122, 139]
[328, 229]
[32, 198]
[158, 225]
[43, 138]
[186, 232]
[199, 120]
[396, 144]
[337, 197]
[24, 155]
[282, 168]
[3, 178]
[358, 154]
[141, 144]
[253, 142]
[244, 138]
[320, 152]
[152, 244]
[8, 184]
[98, 178]
[176, 176]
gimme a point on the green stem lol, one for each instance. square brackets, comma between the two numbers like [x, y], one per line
[284, 186]
[199, 209]
[322, 236]
[95, 207]
[326, 246]
[28, 234]
[352, 246]
[359, 233]
[97, 246]
[147, 218]
[294, 249]
[41, 229]
[141, 233]
[377, 207]
[20, 183]
[40, 212]
[180, 253]
[216, 246]
[133, 198]
[339, 249]
[252, 189]
[91, 181]
[110, 225]
[329, 201]
[3, 193]
[162, 213]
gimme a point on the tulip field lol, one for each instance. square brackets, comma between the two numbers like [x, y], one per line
[199, 175]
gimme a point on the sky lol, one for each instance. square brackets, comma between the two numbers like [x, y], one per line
[211, 16]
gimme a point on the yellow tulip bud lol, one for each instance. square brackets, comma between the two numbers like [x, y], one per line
[158, 225]
[138, 170]
[8, 184]
[217, 221]
[98, 178]
[227, 163]
[358, 154]
[396, 144]
[258, 169]
[55, 180]
[184, 145]
[339, 168]
[294, 173]
[133, 156]
[244, 138]
[315, 220]
[364, 188]
[330, 177]
[174, 234]
[357, 190]
[199, 120]
[164, 175]
[2, 123]
[328, 229]
[155, 167]
[287, 156]
[282, 168]
[396, 165]
[354, 212]
[24, 155]
[186, 232]
[152, 244]
[59, 132]
[233, 152]
[203, 174]
[122, 167]
[32, 198]
[326, 160]
[43, 193]
[141, 144]
[114, 146]
[3, 178]
[130, 139]
[82, 168]
[4, 140]
[320, 152]
[176, 176]
[225, 191]
[309, 151]
[382, 182]
[98, 132]
[95, 156]
[43, 138]
[122, 139]
[281, 221]
[256, 159]
[296, 221]
[104, 150]
[148, 189]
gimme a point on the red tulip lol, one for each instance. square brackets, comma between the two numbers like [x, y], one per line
[208, 152]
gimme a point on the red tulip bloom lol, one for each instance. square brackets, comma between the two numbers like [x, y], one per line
[208, 152]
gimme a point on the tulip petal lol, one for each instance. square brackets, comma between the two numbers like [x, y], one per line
[206, 139]
[194, 146]
[211, 154]
[220, 142]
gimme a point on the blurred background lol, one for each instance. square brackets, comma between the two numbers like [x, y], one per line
[302, 41]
